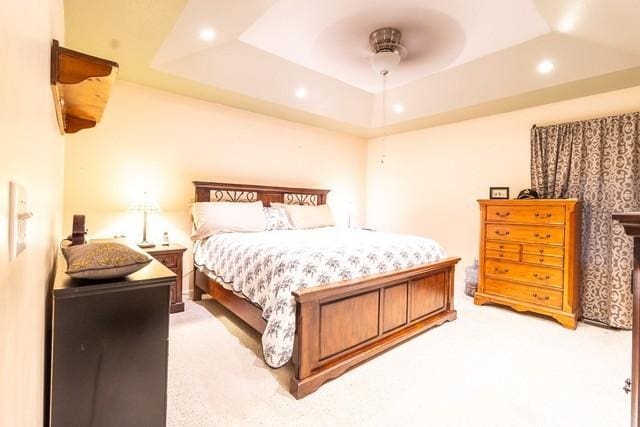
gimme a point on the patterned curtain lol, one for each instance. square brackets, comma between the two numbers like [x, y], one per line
[598, 162]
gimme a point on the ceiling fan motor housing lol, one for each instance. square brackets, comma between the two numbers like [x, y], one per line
[386, 40]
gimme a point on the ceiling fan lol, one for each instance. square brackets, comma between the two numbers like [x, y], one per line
[387, 50]
[387, 54]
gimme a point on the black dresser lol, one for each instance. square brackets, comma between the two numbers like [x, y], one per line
[109, 349]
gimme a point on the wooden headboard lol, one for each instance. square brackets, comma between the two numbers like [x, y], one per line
[224, 192]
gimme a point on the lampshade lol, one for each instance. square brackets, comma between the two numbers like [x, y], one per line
[145, 204]
[384, 62]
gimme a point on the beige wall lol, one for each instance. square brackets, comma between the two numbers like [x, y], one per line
[159, 142]
[431, 178]
[32, 154]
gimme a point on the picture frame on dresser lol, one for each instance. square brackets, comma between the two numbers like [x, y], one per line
[499, 193]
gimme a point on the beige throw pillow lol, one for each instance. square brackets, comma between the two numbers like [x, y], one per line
[211, 218]
[303, 217]
[107, 260]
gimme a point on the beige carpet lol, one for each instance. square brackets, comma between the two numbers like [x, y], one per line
[491, 367]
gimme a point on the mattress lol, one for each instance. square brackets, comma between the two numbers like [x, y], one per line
[267, 266]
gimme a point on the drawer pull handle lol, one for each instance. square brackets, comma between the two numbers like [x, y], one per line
[501, 247]
[541, 259]
[539, 277]
[502, 233]
[541, 251]
[503, 215]
[537, 215]
[497, 270]
[544, 298]
[539, 236]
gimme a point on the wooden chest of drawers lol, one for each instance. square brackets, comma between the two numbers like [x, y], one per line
[530, 256]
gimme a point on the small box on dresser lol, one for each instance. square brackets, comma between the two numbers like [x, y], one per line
[171, 257]
[530, 256]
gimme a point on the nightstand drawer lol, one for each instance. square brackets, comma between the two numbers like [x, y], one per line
[530, 294]
[170, 261]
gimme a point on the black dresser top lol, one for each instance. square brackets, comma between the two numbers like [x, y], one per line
[154, 274]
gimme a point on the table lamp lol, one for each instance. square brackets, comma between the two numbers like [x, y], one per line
[145, 205]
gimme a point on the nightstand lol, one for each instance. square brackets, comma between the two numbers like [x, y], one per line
[171, 257]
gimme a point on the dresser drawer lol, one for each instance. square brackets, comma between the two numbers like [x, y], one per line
[170, 261]
[526, 214]
[543, 250]
[492, 253]
[543, 260]
[503, 246]
[525, 233]
[530, 294]
[526, 273]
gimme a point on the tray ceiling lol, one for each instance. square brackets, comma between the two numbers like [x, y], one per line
[462, 55]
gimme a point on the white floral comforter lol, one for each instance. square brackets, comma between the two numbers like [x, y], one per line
[267, 266]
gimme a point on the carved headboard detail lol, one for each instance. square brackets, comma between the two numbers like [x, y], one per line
[224, 192]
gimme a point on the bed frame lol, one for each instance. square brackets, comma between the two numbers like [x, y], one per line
[341, 324]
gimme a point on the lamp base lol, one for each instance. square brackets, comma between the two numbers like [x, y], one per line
[146, 245]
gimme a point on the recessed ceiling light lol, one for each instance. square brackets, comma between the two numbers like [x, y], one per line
[545, 67]
[207, 34]
[301, 92]
[398, 108]
[567, 24]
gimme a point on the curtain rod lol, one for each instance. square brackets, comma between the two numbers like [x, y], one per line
[545, 124]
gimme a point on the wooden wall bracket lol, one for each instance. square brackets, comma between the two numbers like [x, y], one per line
[80, 84]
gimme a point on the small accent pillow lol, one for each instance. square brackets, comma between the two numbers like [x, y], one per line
[303, 216]
[277, 219]
[211, 218]
[107, 260]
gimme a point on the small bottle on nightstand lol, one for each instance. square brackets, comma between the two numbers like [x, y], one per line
[165, 239]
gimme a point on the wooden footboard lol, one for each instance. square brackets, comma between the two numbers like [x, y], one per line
[342, 324]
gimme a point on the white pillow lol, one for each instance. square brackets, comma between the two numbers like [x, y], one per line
[303, 216]
[211, 218]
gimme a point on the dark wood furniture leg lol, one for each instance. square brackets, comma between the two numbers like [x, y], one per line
[631, 224]
[197, 292]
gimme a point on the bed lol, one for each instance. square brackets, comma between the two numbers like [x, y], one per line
[375, 291]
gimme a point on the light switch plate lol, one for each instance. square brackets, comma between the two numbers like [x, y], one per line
[18, 216]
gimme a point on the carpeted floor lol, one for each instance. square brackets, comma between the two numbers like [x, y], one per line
[491, 367]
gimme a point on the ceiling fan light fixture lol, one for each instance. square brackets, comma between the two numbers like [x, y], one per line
[385, 62]
[387, 50]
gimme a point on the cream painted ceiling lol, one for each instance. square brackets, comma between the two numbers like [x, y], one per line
[466, 58]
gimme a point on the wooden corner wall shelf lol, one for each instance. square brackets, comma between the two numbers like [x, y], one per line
[81, 85]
